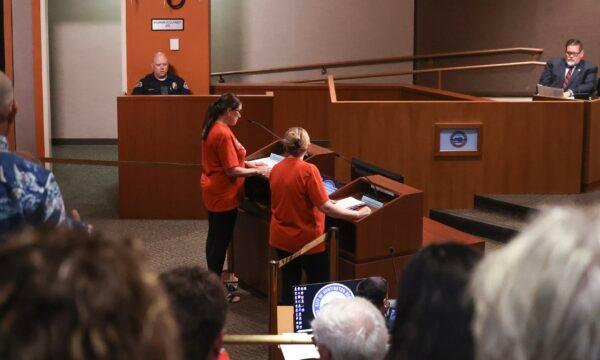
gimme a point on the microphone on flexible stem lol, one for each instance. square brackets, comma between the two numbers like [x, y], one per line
[264, 128]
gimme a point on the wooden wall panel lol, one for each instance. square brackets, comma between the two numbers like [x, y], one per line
[168, 129]
[591, 151]
[192, 61]
[528, 147]
[307, 105]
[8, 57]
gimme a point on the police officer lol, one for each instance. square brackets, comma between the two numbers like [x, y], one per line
[160, 82]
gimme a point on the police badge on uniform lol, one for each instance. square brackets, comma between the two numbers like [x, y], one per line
[174, 85]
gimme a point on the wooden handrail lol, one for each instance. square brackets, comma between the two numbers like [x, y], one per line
[406, 58]
[423, 71]
[116, 163]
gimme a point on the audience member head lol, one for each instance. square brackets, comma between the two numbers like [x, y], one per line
[227, 109]
[350, 329]
[296, 141]
[573, 52]
[8, 108]
[539, 296]
[434, 311]
[374, 289]
[64, 294]
[199, 305]
[160, 65]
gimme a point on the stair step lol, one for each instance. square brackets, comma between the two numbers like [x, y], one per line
[505, 205]
[480, 222]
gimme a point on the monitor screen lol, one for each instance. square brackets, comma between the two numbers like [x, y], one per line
[309, 299]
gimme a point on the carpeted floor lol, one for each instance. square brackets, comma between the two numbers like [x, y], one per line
[93, 191]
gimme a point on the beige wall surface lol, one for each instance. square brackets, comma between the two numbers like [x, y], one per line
[274, 33]
[85, 67]
[458, 25]
[23, 75]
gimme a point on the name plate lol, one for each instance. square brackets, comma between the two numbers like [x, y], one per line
[167, 24]
[464, 139]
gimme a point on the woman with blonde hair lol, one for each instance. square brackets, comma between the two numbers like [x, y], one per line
[299, 204]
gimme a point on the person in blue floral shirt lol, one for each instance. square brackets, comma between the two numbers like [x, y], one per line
[29, 194]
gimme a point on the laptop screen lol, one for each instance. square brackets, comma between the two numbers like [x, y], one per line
[309, 299]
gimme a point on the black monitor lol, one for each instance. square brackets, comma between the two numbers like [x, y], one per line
[361, 168]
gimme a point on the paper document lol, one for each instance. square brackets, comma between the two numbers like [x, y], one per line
[350, 203]
[270, 161]
[299, 352]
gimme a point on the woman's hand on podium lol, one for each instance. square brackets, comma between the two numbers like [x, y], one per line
[362, 212]
[264, 171]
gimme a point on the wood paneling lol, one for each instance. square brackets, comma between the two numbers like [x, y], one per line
[168, 129]
[591, 151]
[533, 147]
[36, 22]
[8, 58]
[192, 61]
[307, 105]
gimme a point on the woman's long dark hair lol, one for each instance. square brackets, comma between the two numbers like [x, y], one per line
[434, 309]
[218, 108]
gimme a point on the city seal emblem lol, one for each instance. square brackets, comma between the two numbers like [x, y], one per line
[329, 293]
[458, 139]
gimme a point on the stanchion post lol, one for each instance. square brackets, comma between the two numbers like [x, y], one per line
[333, 254]
[273, 295]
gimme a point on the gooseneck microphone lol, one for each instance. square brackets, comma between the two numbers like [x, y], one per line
[264, 128]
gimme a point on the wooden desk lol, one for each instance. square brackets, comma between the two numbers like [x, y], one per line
[168, 129]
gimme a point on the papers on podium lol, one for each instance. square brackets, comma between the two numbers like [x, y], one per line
[350, 203]
[270, 161]
[551, 92]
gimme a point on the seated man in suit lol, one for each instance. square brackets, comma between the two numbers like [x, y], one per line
[160, 81]
[572, 74]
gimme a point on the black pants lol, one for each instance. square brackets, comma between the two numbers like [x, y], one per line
[315, 266]
[220, 232]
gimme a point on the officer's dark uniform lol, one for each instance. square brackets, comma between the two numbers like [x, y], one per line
[172, 85]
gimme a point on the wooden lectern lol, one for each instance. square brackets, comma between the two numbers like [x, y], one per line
[250, 246]
[376, 245]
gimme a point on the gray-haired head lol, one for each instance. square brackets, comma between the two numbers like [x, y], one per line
[539, 297]
[6, 96]
[350, 329]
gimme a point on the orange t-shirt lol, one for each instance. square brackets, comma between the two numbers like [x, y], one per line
[221, 151]
[296, 193]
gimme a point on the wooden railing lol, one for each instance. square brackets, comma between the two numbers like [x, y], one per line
[439, 71]
[327, 65]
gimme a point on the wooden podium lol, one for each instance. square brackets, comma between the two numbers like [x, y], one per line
[380, 244]
[250, 246]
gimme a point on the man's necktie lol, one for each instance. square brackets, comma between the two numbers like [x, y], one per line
[568, 78]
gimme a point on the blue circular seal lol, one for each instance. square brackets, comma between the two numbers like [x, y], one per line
[328, 293]
[458, 138]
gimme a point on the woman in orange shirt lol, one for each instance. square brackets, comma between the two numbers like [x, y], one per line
[299, 204]
[223, 170]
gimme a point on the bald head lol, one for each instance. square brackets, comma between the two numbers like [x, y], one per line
[160, 65]
[6, 97]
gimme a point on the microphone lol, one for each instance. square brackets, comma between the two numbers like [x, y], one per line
[264, 128]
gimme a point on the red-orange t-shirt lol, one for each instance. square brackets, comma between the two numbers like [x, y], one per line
[296, 193]
[221, 151]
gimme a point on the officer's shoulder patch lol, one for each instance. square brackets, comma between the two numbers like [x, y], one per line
[185, 86]
[139, 85]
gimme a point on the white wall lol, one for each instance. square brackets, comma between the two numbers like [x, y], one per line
[272, 33]
[23, 75]
[85, 67]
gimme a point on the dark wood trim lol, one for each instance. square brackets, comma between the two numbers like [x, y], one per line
[377, 61]
[422, 71]
[74, 141]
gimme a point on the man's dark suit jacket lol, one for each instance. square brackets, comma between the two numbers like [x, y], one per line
[583, 81]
